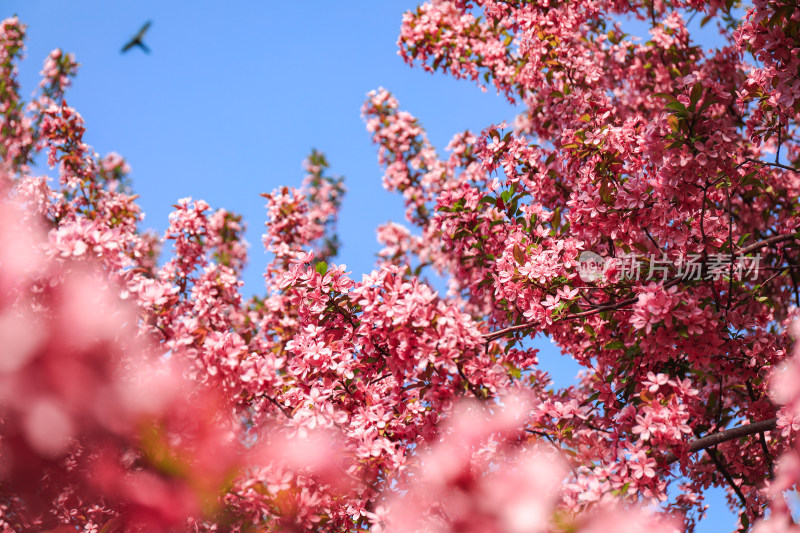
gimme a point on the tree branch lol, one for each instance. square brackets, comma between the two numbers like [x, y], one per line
[589, 312]
[767, 456]
[724, 436]
[275, 402]
[784, 167]
[767, 242]
[724, 471]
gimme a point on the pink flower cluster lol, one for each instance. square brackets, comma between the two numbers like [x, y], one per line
[141, 393]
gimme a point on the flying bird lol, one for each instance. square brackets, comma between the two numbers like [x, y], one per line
[137, 39]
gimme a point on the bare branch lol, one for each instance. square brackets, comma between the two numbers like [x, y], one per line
[724, 471]
[767, 242]
[589, 312]
[724, 436]
[784, 167]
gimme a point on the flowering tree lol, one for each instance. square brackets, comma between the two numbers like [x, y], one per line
[139, 394]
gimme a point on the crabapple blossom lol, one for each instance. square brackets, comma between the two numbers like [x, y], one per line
[142, 390]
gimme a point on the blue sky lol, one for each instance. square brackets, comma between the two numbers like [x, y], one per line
[235, 94]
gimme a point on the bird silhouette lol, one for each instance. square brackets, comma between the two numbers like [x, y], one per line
[136, 40]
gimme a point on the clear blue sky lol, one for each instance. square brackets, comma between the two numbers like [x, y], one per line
[235, 94]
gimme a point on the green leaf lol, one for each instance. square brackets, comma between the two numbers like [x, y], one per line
[614, 345]
[322, 268]
[519, 255]
[605, 192]
[556, 220]
[707, 102]
[674, 124]
[750, 179]
[676, 106]
[665, 96]
[697, 92]
[115, 524]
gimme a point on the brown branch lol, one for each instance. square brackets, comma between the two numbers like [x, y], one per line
[724, 436]
[767, 456]
[274, 402]
[469, 384]
[779, 165]
[767, 242]
[724, 471]
[589, 312]
[555, 445]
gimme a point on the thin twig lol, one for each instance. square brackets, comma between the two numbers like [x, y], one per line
[779, 165]
[589, 312]
[724, 471]
[730, 238]
[761, 438]
[276, 404]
